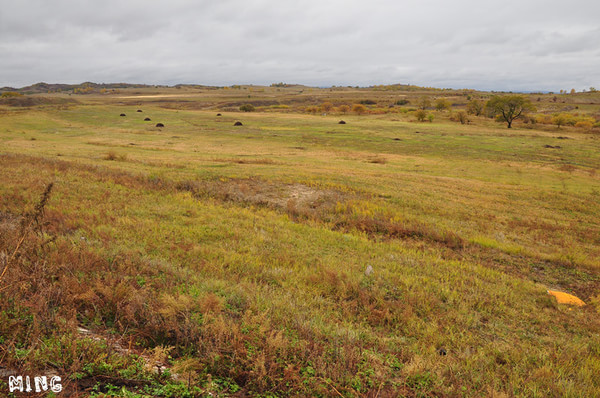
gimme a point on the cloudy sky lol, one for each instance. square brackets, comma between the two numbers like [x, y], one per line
[495, 45]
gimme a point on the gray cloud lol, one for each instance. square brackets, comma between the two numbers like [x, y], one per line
[515, 45]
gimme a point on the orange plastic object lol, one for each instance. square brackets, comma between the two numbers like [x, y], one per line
[564, 298]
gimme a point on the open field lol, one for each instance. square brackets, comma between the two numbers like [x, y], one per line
[295, 256]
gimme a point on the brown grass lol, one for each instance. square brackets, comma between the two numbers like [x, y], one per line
[246, 161]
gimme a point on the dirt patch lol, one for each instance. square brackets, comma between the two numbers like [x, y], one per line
[290, 197]
[305, 196]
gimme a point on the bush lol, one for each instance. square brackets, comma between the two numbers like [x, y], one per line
[402, 102]
[343, 109]
[584, 124]
[421, 115]
[543, 119]
[326, 106]
[247, 108]
[460, 116]
[359, 109]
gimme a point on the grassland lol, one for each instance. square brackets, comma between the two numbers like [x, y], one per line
[236, 256]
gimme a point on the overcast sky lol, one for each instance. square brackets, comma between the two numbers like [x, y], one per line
[495, 45]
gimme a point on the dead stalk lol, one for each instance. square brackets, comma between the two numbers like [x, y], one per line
[34, 217]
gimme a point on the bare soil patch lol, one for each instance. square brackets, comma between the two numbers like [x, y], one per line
[289, 197]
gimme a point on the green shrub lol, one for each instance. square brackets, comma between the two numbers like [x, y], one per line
[247, 108]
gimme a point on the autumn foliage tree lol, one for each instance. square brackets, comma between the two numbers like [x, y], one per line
[508, 108]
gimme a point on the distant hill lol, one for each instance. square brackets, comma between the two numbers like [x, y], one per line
[42, 87]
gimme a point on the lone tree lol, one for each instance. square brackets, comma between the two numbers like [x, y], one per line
[424, 103]
[560, 119]
[509, 107]
[442, 104]
[421, 115]
[475, 107]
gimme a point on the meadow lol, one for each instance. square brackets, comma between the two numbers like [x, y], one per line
[296, 256]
